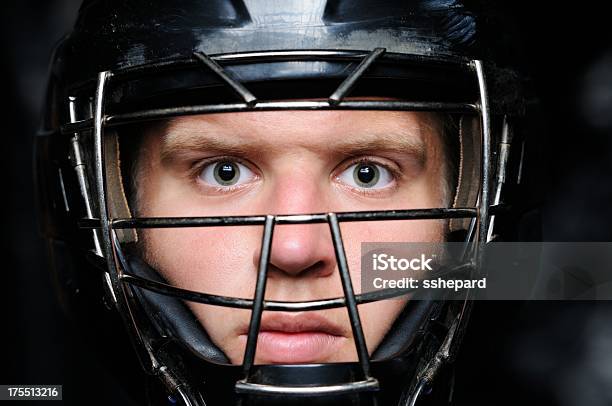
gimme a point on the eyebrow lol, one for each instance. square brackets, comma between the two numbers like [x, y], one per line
[178, 142]
[176, 145]
[390, 141]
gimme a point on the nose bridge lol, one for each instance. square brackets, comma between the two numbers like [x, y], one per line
[299, 192]
[301, 248]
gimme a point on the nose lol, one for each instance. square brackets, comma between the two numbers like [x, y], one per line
[300, 249]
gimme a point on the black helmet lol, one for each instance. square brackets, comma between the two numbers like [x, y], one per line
[129, 63]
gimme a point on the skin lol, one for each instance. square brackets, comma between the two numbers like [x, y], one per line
[292, 163]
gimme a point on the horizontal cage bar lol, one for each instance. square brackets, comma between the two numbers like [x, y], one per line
[276, 56]
[177, 222]
[240, 303]
[370, 384]
[272, 305]
[378, 105]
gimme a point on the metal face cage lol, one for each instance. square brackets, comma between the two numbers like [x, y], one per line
[105, 228]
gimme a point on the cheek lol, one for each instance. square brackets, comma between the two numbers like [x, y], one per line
[400, 231]
[377, 318]
[222, 325]
[430, 191]
[354, 234]
[212, 260]
[216, 261]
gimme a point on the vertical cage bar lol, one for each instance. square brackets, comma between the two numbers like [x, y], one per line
[143, 351]
[349, 294]
[502, 165]
[81, 172]
[98, 114]
[486, 152]
[99, 161]
[260, 291]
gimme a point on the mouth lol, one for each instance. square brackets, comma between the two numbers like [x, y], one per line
[296, 338]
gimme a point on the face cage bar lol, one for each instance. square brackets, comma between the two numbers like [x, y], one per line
[243, 303]
[258, 304]
[117, 280]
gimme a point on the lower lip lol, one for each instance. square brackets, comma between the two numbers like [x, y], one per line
[277, 347]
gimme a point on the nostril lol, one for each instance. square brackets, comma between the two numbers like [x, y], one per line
[318, 269]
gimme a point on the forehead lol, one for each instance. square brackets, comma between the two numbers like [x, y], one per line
[308, 129]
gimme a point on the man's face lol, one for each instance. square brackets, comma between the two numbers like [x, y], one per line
[287, 163]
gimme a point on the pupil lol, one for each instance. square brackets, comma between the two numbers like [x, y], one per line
[366, 173]
[226, 171]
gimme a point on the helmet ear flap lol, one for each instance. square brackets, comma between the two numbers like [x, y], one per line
[171, 316]
[468, 179]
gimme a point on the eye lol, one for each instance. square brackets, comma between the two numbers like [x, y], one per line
[226, 173]
[366, 175]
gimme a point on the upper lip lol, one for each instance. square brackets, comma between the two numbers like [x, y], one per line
[297, 323]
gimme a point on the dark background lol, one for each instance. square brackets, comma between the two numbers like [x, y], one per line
[557, 353]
